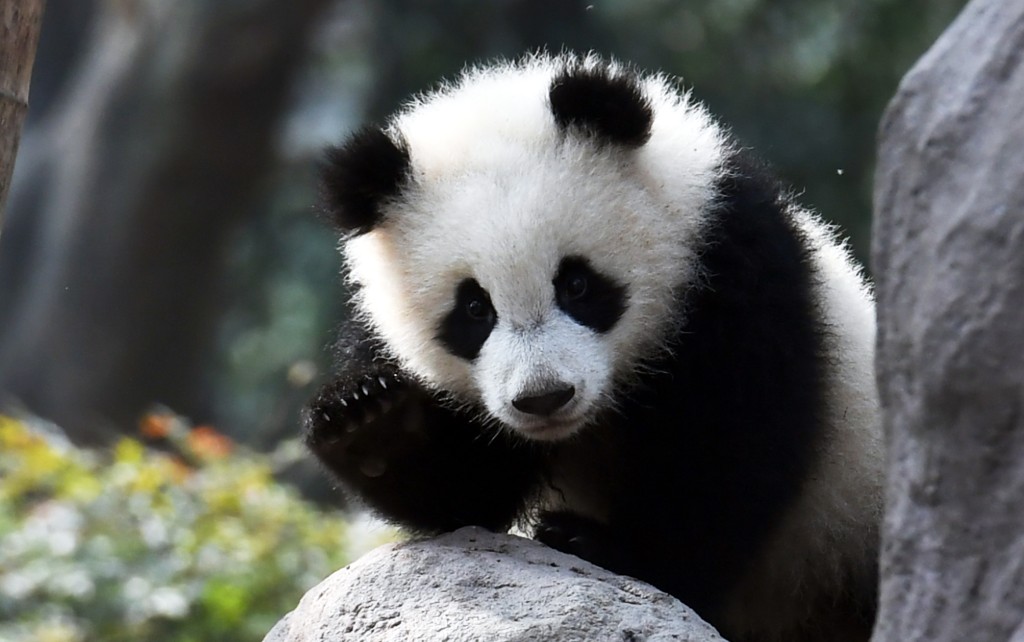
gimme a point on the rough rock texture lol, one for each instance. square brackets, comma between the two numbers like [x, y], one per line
[474, 585]
[949, 259]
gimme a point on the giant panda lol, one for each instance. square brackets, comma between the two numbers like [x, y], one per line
[580, 307]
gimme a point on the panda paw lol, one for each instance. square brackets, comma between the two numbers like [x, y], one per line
[336, 417]
[576, 535]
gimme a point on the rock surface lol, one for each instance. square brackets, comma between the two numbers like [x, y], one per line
[473, 585]
[949, 261]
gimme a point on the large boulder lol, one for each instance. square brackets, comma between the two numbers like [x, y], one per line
[475, 585]
[948, 256]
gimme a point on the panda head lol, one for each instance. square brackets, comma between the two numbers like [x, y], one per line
[519, 239]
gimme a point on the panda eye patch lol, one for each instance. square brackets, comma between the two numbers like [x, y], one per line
[466, 327]
[589, 297]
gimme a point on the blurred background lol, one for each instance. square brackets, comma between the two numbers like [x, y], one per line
[161, 265]
[160, 244]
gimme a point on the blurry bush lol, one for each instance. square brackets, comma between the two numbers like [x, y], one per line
[195, 541]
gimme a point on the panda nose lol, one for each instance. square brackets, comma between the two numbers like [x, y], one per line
[545, 403]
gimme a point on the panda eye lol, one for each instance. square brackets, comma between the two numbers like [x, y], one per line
[478, 310]
[576, 287]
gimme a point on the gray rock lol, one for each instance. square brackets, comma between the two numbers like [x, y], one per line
[949, 259]
[475, 585]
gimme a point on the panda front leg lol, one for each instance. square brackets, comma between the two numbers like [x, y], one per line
[660, 554]
[412, 460]
[585, 538]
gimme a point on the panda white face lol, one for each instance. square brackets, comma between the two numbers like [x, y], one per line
[530, 291]
[518, 263]
[543, 363]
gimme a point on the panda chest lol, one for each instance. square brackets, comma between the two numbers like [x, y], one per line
[583, 475]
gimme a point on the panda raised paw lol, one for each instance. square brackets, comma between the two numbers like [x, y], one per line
[342, 408]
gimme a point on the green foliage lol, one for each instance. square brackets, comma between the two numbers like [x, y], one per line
[196, 544]
[274, 331]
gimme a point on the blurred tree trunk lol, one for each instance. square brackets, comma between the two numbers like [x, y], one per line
[949, 259]
[61, 43]
[19, 32]
[162, 142]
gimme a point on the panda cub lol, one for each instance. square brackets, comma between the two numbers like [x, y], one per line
[581, 307]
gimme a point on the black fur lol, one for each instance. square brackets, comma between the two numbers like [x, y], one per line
[707, 451]
[361, 174]
[409, 457]
[610, 107]
[723, 432]
[591, 298]
[465, 329]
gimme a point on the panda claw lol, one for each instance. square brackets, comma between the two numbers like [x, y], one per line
[346, 410]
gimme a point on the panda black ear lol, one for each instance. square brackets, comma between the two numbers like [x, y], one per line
[609, 106]
[357, 176]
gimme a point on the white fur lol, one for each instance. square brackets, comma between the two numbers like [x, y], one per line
[489, 201]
